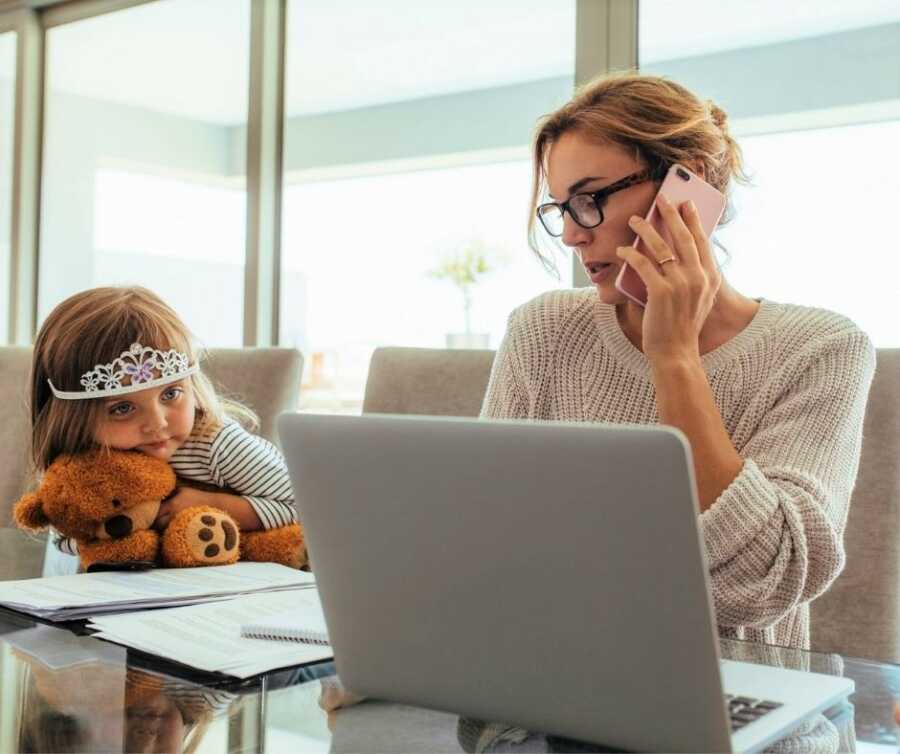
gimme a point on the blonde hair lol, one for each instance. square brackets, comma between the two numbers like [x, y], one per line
[659, 121]
[93, 327]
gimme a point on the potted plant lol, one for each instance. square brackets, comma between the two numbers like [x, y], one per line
[464, 268]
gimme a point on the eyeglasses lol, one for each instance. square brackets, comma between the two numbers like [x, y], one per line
[585, 209]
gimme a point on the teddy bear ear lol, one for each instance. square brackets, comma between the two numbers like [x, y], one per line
[29, 513]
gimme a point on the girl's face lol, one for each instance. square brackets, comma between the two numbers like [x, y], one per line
[156, 421]
[576, 165]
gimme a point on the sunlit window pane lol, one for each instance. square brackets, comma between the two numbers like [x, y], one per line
[826, 244]
[407, 155]
[144, 158]
[815, 226]
[7, 108]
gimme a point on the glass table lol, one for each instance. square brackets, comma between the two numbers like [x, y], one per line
[62, 690]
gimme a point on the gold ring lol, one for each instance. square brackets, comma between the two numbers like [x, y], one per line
[661, 262]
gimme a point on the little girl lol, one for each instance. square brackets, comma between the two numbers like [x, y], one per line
[116, 368]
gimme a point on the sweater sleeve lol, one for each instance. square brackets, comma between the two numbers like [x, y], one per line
[255, 469]
[774, 537]
[506, 397]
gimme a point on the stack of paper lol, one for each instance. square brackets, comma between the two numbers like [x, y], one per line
[208, 637]
[85, 594]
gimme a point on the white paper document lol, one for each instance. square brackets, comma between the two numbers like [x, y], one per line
[208, 637]
[85, 594]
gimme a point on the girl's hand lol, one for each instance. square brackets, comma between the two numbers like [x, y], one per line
[184, 497]
[681, 292]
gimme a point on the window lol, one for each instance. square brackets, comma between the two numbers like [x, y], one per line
[7, 111]
[407, 148]
[145, 133]
[175, 235]
[820, 146]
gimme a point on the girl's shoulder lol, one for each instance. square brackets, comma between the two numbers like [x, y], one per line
[213, 433]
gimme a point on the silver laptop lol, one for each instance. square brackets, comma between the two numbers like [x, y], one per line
[547, 575]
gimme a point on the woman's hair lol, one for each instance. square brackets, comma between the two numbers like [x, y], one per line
[94, 327]
[658, 120]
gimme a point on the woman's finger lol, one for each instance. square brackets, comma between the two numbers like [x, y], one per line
[656, 246]
[646, 270]
[682, 236]
[701, 241]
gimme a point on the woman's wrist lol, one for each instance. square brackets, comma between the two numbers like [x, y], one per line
[675, 364]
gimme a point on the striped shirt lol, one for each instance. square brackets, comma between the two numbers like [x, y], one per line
[237, 461]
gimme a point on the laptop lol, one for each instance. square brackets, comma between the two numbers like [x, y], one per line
[547, 575]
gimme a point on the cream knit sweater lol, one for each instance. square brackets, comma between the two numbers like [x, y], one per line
[791, 389]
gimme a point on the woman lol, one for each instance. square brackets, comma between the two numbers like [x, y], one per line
[771, 396]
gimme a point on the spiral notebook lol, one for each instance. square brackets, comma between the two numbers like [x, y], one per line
[305, 624]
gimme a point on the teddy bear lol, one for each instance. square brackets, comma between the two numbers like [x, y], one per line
[107, 500]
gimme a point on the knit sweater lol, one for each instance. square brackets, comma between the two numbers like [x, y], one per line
[791, 389]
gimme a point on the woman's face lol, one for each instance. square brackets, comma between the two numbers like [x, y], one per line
[577, 165]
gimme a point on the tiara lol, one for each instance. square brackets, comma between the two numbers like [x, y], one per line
[137, 365]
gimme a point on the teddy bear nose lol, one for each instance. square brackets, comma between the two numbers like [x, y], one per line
[118, 526]
[116, 503]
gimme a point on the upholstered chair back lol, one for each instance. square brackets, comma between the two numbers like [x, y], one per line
[860, 614]
[15, 364]
[428, 381]
[265, 379]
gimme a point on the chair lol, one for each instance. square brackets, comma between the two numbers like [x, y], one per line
[15, 363]
[860, 614]
[429, 381]
[21, 556]
[265, 379]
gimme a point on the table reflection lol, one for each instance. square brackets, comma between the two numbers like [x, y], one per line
[80, 695]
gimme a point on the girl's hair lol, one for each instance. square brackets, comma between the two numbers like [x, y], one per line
[659, 121]
[94, 327]
[45, 727]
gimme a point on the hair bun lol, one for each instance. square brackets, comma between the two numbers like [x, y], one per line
[717, 114]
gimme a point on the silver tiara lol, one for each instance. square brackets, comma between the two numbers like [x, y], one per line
[140, 365]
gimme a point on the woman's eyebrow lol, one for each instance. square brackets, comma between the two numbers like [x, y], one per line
[582, 182]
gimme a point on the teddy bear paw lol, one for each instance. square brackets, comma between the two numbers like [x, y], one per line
[201, 536]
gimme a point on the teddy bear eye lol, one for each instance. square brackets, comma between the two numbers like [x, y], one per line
[116, 503]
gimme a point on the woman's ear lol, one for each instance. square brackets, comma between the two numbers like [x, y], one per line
[29, 513]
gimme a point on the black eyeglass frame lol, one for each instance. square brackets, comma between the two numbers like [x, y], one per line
[598, 197]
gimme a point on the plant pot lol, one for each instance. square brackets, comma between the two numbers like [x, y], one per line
[468, 340]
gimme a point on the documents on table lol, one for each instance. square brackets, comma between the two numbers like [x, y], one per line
[208, 637]
[81, 595]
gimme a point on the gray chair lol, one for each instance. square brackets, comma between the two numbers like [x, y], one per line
[15, 363]
[265, 379]
[860, 614]
[21, 556]
[429, 381]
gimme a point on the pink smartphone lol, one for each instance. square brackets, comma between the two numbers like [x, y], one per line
[679, 185]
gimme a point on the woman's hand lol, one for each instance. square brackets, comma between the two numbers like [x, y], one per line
[680, 292]
[184, 497]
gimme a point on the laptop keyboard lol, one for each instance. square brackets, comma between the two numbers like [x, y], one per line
[743, 710]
